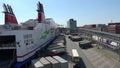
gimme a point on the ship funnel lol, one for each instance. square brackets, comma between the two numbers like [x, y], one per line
[9, 15]
[41, 16]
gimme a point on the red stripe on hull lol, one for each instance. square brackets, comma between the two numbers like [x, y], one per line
[30, 51]
[27, 53]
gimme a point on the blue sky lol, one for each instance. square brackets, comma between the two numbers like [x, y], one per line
[84, 11]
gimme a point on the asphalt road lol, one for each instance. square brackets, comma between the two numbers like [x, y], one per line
[84, 62]
[91, 57]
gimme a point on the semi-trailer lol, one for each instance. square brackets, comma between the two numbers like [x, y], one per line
[55, 63]
[60, 39]
[58, 51]
[76, 38]
[56, 45]
[45, 62]
[36, 64]
[63, 62]
[85, 44]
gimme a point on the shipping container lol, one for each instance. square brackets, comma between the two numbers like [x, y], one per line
[56, 44]
[45, 62]
[60, 39]
[95, 38]
[76, 38]
[52, 45]
[58, 51]
[55, 63]
[57, 47]
[36, 64]
[63, 62]
[85, 44]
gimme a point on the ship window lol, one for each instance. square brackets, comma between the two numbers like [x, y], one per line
[27, 36]
[26, 43]
[28, 39]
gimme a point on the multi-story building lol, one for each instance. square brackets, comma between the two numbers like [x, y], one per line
[72, 25]
[114, 28]
[98, 27]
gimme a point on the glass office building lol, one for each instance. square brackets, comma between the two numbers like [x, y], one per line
[71, 23]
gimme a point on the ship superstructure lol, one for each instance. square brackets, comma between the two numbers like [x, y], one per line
[29, 37]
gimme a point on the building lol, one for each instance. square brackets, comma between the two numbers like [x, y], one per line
[72, 25]
[114, 28]
[97, 27]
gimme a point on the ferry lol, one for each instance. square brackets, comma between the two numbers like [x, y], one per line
[20, 42]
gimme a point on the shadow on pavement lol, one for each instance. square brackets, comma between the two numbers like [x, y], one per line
[80, 64]
[66, 57]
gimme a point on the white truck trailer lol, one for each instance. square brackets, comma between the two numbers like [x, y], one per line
[55, 63]
[36, 64]
[45, 62]
[63, 62]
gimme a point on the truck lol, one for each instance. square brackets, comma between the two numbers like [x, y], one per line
[76, 38]
[75, 55]
[85, 44]
[63, 62]
[36, 64]
[55, 63]
[45, 62]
